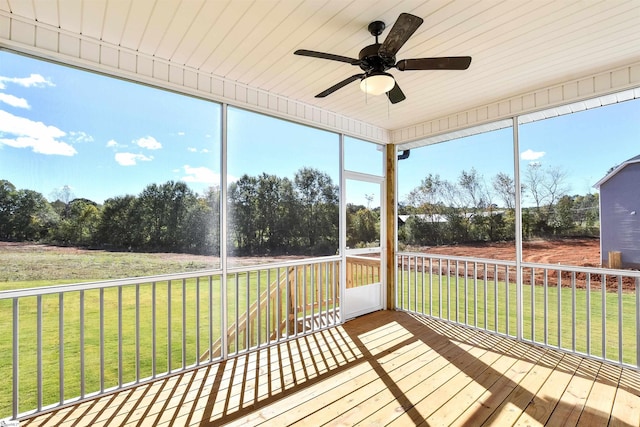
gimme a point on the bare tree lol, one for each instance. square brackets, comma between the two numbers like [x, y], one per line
[473, 190]
[545, 185]
[427, 193]
[505, 188]
[533, 180]
[64, 194]
[555, 185]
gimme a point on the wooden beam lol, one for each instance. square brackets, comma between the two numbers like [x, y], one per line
[390, 226]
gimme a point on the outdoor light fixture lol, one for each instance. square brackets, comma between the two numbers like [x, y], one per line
[377, 83]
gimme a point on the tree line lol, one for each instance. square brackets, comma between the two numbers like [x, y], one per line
[270, 214]
[267, 214]
[470, 209]
[274, 215]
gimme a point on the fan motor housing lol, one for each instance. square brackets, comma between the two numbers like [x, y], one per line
[371, 61]
[377, 58]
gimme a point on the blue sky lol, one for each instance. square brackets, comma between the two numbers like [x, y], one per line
[584, 145]
[104, 137]
[60, 126]
[258, 143]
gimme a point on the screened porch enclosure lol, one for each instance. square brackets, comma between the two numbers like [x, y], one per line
[73, 343]
[231, 249]
[104, 338]
[100, 342]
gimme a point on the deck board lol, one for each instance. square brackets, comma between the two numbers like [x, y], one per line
[626, 408]
[497, 393]
[597, 410]
[547, 397]
[386, 368]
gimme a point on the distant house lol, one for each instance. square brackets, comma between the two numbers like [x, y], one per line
[441, 218]
[620, 213]
[402, 219]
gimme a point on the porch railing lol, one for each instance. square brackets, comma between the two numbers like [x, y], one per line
[362, 270]
[588, 311]
[283, 300]
[69, 343]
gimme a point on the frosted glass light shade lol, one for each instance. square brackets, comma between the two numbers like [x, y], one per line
[377, 84]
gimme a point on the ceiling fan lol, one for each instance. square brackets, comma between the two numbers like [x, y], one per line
[376, 59]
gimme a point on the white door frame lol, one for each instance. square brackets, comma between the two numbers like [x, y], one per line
[369, 297]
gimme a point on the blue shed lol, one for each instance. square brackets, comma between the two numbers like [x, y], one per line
[620, 213]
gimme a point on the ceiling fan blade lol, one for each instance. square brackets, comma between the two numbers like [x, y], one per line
[403, 28]
[322, 55]
[444, 63]
[339, 85]
[396, 95]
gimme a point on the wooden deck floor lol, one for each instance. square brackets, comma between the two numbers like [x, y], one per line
[386, 368]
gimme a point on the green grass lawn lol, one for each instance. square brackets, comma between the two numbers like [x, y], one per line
[185, 349]
[453, 303]
[72, 330]
[25, 266]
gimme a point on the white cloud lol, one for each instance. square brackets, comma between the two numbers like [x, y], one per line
[195, 150]
[26, 133]
[531, 155]
[181, 134]
[131, 159]
[200, 174]
[148, 142]
[14, 101]
[34, 80]
[112, 143]
[80, 136]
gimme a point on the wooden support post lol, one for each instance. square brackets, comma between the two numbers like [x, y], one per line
[390, 226]
[615, 259]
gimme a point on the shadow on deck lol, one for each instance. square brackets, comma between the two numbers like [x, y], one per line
[385, 368]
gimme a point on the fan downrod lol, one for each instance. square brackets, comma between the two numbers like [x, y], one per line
[377, 58]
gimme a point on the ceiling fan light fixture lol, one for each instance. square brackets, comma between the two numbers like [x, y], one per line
[377, 83]
[377, 58]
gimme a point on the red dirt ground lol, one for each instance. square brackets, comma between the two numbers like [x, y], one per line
[578, 252]
[571, 252]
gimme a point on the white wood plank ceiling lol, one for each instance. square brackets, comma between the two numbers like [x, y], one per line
[517, 45]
